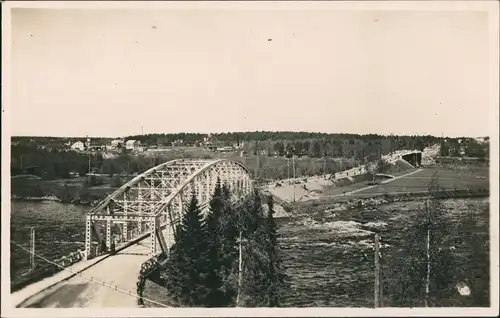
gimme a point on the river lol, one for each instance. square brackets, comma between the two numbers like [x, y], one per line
[327, 255]
[59, 231]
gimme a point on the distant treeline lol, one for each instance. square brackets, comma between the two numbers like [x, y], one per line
[58, 164]
[312, 143]
[44, 156]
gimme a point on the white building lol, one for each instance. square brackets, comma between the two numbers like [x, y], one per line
[115, 143]
[132, 145]
[78, 146]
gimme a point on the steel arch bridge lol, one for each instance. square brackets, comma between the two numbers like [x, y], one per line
[152, 203]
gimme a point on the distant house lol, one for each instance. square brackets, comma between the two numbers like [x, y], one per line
[481, 140]
[225, 149]
[132, 145]
[177, 143]
[117, 143]
[78, 146]
[96, 147]
[74, 174]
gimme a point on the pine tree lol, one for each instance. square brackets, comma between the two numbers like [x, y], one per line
[254, 232]
[276, 276]
[230, 247]
[188, 266]
[216, 237]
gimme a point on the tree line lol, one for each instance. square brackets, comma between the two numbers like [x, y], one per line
[230, 257]
[60, 164]
[468, 147]
[300, 143]
[46, 157]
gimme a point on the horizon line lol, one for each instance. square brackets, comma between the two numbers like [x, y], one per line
[253, 131]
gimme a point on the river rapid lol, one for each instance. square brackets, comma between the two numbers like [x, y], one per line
[328, 255]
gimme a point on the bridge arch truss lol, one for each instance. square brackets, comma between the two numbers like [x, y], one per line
[153, 203]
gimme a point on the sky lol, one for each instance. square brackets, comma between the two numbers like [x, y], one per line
[124, 72]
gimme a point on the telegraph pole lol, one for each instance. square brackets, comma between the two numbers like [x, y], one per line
[257, 168]
[240, 270]
[257, 165]
[377, 272]
[88, 178]
[324, 168]
[32, 248]
[341, 171]
[427, 280]
[288, 168]
[293, 167]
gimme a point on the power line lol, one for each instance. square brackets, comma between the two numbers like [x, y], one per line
[133, 294]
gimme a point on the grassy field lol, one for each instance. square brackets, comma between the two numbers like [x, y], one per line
[447, 178]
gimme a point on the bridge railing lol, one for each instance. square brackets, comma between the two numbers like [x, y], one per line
[49, 269]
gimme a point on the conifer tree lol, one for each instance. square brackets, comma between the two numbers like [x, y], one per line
[188, 266]
[255, 275]
[216, 238]
[275, 273]
[230, 246]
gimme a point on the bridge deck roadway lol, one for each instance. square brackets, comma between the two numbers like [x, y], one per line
[120, 270]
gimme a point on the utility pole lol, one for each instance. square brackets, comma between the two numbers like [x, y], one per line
[32, 248]
[288, 168]
[89, 169]
[341, 171]
[324, 168]
[293, 167]
[257, 167]
[240, 270]
[427, 280]
[377, 272]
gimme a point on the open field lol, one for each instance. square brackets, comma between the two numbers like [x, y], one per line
[407, 181]
[447, 178]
